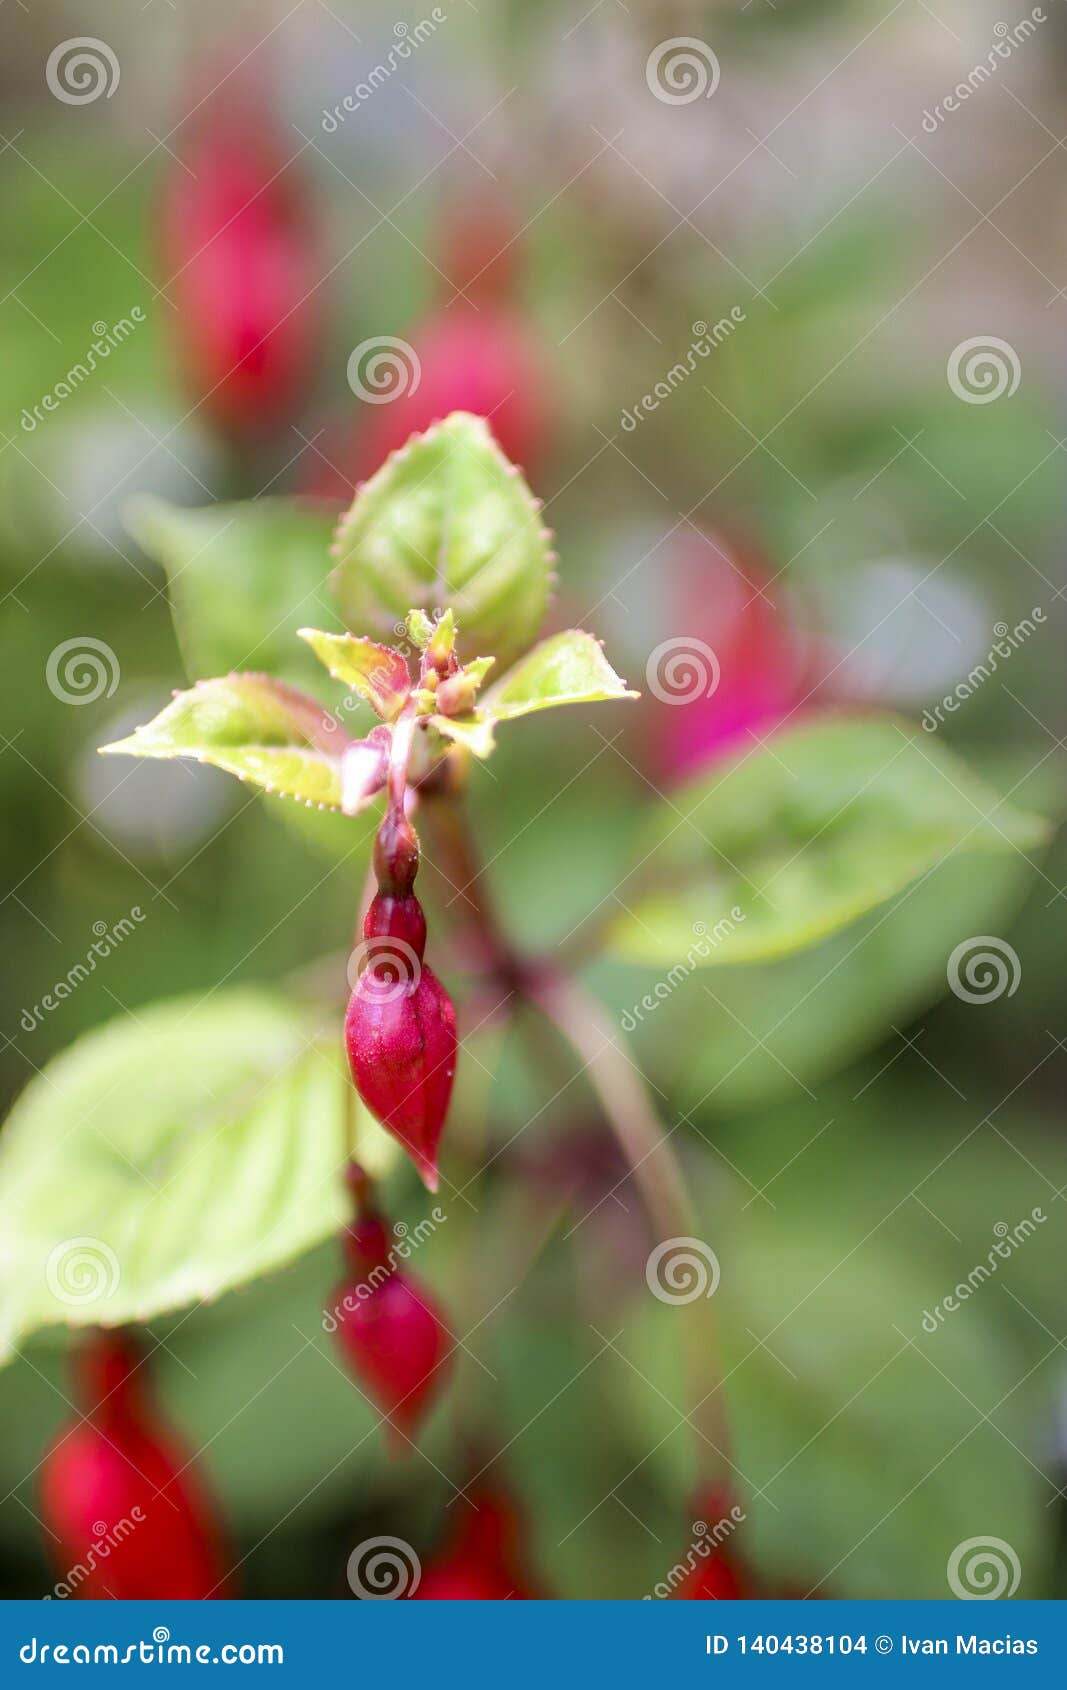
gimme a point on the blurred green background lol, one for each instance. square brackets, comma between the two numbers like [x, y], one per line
[852, 1132]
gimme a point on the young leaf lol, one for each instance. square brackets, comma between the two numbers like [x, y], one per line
[257, 729]
[782, 847]
[242, 579]
[377, 673]
[569, 668]
[165, 1158]
[447, 524]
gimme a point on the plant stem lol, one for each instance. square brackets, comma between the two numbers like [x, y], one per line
[621, 1090]
[623, 1095]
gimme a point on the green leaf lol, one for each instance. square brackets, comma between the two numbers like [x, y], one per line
[242, 579]
[787, 844]
[257, 729]
[447, 524]
[378, 673]
[569, 668]
[167, 1157]
[866, 1448]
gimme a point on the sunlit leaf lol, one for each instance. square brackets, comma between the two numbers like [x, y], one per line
[170, 1156]
[258, 729]
[377, 673]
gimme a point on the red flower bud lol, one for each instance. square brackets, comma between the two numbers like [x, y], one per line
[388, 1329]
[400, 1030]
[241, 268]
[482, 1561]
[117, 1492]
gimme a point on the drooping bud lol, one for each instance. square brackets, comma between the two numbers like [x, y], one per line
[400, 1027]
[482, 1560]
[240, 266]
[716, 1572]
[388, 1329]
[119, 1496]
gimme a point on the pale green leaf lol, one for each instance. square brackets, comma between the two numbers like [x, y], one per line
[447, 524]
[256, 728]
[377, 673]
[474, 732]
[782, 847]
[569, 668]
[242, 579]
[169, 1156]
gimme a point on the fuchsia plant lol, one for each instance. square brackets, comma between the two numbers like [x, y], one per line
[442, 578]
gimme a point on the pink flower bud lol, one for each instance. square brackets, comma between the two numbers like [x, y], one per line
[388, 1329]
[734, 665]
[241, 268]
[119, 1496]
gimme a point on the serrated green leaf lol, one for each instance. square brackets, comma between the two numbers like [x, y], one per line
[242, 579]
[378, 673]
[447, 524]
[784, 846]
[569, 668]
[168, 1157]
[256, 728]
